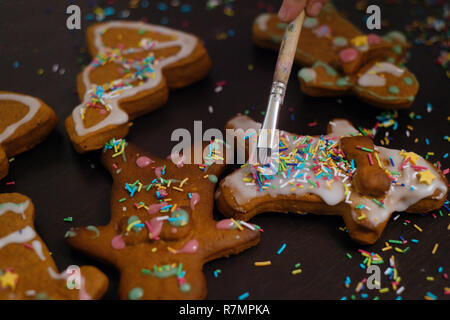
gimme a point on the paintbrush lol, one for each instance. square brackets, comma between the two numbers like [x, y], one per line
[267, 139]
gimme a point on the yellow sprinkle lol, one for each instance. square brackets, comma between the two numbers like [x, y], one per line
[237, 224]
[430, 278]
[206, 176]
[363, 216]
[262, 263]
[183, 182]
[171, 250]
[173, 208]
[154, 249]
[386, 248]
[178, 189]
[384, 290]
[435, 248]
[131, 225]
[398, 250]
[418, 228]
[358, 287]
[170, 182]
[297, 271]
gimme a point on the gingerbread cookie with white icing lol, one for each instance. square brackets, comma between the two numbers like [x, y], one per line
[134, 66]
[341, 173]
[337, 55]
[162, 229]
[381, 84]
[27, 270]
[25, 121]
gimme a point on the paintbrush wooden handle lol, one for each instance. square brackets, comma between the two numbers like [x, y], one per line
[288, 49]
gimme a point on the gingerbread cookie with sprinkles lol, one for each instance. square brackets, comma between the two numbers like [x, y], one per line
[341, 173]
[162, 229]
[134, 67]
[27, 270]
[25, 121]
[339, 59]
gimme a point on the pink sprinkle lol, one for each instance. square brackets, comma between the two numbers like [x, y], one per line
[446, 171]
[221, 83]
[370, 159]
[10, 183]
[312, 124]
[28, 246]
[404, 163]
[418, 168]
[114, 166]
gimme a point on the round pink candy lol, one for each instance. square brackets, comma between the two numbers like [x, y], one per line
[373, 39]
[117, 242]
[348, 55]
[143, 161]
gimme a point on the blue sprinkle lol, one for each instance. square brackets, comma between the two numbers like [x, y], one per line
[445, 156]
[16, 64]
[427, 141]
[145, 4]
[281, 249]
[185, 8]
[398, 298]
[415, 240]
[440, 269]
[110, 11]
[244, 296]
[161, 6]
[364, 295]
[362, 266]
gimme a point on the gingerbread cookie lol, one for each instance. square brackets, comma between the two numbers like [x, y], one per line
[337, 56]
[134, 67]
[162, 230]
[25, 121]
[341, 173]
[381, 84]
[27, 270]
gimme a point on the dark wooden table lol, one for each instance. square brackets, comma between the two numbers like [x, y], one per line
[62, 183]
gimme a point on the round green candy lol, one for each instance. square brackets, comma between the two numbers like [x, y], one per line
[185, 287]
[136, 293]
[179, 217]
[393, 90]
[408, 81]
[213, 178]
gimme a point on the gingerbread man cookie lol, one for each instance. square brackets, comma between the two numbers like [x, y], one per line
[27, 270]
[341, 173]
[340, 59]
[134, 67]
[25, 121]
[162, 230]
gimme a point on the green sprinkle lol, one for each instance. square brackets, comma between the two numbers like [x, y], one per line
[366, 149]
[312, 183]
[122, 200]
[395, 241]
[145, 271]
[378, 202]
[68, 219]
[349, 255]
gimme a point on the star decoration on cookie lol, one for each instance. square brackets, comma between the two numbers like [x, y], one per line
[341, 173]
[413, 157]
[426, 177]
[9, 279]
[29, 271]
[162, 230]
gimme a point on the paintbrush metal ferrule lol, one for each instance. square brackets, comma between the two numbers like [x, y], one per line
[268, 130]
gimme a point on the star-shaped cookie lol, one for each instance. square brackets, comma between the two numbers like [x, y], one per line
[342, 173]
[27, 270]
[162, 229]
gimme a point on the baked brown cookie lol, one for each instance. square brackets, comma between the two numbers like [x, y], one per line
[337, 57]
[27, 270]
[162, 230]
[134, 66]
[25, 121]
[341, 173]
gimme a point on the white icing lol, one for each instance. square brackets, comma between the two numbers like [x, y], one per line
[371, 78]
[398, 198]
[37, 246]
[20, 236]
[18, 208]
[116, 116]
[262, 21]
[33, 106]
[55, 275]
